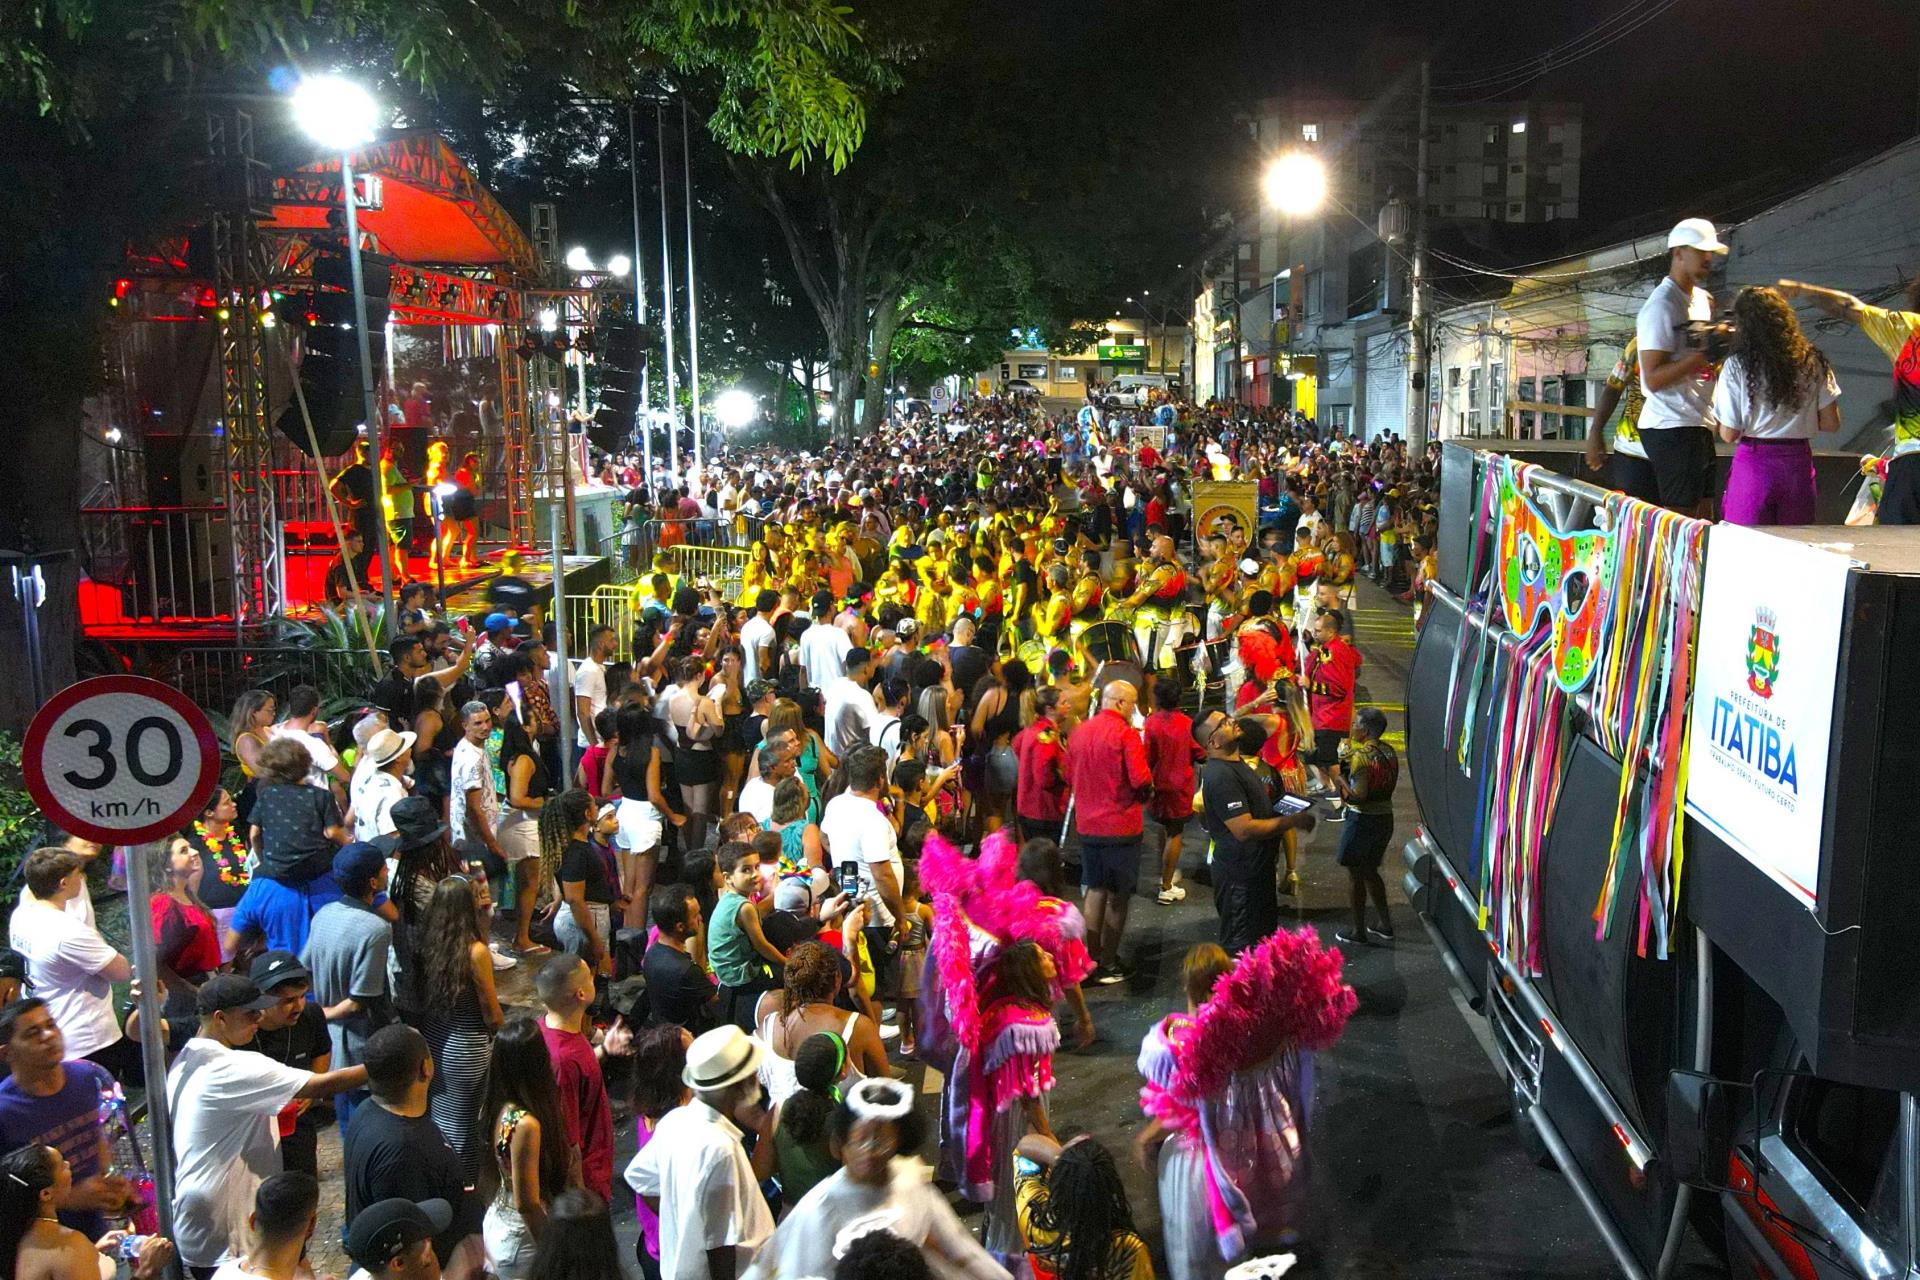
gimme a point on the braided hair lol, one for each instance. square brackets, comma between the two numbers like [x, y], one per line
[560, 817]
[1086, 1208]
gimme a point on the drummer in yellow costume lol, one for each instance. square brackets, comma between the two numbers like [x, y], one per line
[1089, 594]
[1159, 604]
[1050, 616]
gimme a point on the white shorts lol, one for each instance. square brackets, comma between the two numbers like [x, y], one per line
[639, 828]
[518, 834]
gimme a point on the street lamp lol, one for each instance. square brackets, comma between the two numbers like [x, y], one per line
[735, 408]
[343, 117]
[1295, 183]
[619, 265]
[578, 260]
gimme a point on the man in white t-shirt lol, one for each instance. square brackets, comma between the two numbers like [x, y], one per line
[381, 784]
[69, 965]
[473, 803]
[301, 724]
[756, 636]
[823, 646]
[849, 705]
[856, 831]
[1676, 371]
[756, 794]
[225, 1105]
[590, 684]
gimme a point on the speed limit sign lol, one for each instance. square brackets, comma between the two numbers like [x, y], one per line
[120, 759]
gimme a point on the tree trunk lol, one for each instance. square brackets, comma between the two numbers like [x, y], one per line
[886, 319]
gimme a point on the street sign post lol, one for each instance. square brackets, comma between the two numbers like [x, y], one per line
[125, 761]
[120, 759]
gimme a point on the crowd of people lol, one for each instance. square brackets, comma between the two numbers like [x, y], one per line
[888, 798]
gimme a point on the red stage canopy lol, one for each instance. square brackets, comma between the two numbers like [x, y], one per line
[430, 209]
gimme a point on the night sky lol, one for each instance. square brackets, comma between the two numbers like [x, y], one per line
[1707, 94]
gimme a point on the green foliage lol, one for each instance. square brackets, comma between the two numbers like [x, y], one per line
[21, 825]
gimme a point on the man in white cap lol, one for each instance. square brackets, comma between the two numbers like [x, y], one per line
[1676, 373]
[695, 1174]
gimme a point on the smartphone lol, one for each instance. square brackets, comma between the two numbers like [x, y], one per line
[849, 874]
[1287, 806]
[130, 1246]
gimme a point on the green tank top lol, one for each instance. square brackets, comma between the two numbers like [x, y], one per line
[801, 1164]
[729, 950]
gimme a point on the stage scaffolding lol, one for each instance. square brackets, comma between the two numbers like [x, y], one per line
[457, 259]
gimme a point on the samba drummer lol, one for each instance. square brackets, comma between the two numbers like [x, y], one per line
[1159, 606]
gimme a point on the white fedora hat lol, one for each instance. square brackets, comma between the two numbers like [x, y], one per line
[720, 1057]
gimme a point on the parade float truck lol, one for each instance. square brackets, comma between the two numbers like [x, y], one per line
[1669, 787]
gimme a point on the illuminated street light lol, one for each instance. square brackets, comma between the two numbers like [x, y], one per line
[335, 112]
[619, 264]
[577, 259]
[735, 408]
[1295, 183]
[343, 117]
[549, 320]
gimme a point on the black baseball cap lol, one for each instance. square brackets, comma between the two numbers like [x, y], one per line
[277, 968]
[381, 1230]
[229, 992]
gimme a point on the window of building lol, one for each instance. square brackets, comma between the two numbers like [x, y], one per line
[1309, 133]
[1516, 168]
[1551, 212]
[1490, 173]
[1513, 210]
[1493, 135]
[1519, 126]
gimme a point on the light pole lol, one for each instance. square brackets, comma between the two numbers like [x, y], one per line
[341, 116]
[693, 293]
[666, 298]
[639, 261]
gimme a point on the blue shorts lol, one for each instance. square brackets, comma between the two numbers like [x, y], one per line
[282, 912]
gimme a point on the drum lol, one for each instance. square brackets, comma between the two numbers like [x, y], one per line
[1122, 613]
[1110, 641]
[1033, 655]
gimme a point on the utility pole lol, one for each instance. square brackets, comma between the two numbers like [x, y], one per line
[1418, 307]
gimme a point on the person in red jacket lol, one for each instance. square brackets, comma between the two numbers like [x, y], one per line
[1332, 671]
[1107, 768]
[1040, 791]
[1171, 755]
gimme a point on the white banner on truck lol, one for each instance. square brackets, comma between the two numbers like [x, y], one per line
[1765, 663]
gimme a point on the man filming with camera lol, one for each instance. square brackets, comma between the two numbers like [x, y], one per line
[1677, 360]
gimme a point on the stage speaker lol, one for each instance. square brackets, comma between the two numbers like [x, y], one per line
[623, 353]
[182, 470]
[323, 322]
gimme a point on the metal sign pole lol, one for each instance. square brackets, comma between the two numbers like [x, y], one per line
[153, 1051]
[565, 709]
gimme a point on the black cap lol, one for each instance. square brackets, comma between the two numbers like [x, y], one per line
[276, 968]
[416, 821]
[380, 1231]
[228, 992]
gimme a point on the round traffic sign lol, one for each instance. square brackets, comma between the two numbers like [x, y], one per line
[120, 759]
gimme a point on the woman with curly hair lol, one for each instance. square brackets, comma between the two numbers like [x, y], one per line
[457, 1010]
[1773, 393]
[804, 1006]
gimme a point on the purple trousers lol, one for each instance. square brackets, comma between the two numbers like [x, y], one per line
[1771, 483]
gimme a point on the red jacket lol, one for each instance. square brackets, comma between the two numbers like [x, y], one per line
[1331, 674]
[1041, 791]
[1172, 752]
[1107, 766]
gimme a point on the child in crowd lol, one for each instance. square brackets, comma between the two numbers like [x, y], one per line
[742, 959]
[593, 762]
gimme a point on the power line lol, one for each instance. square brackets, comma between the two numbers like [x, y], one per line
[1474, 80]
[1503, 85]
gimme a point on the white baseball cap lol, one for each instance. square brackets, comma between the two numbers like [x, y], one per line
[1695, 233]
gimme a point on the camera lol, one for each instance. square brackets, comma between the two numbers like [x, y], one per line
[1714, 337]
